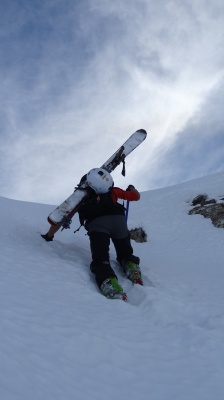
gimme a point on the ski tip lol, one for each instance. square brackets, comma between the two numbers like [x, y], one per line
[142, 130]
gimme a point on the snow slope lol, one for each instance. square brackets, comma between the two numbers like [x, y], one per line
[60, 339]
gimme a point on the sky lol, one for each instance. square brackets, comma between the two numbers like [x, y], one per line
[78, 77]
[61, 339]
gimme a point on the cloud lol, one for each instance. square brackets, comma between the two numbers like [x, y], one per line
[78, 78]
[198, 150]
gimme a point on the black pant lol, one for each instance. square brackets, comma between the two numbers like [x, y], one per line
[100, 245]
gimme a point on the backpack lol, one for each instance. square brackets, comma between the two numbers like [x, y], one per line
[99, 205]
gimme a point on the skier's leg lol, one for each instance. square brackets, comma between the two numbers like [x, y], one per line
[128, 260]
[124, 250]
[100, 265]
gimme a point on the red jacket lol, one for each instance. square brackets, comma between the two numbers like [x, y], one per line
[118, 193]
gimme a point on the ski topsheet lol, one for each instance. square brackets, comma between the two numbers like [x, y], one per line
[72, 203]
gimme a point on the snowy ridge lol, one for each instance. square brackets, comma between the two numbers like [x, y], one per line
[62, 340]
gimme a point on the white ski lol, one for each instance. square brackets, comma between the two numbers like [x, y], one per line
[70, 206]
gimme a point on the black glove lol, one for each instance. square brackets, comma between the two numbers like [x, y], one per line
[130, 187]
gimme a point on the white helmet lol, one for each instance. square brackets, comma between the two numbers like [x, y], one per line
[99, 180]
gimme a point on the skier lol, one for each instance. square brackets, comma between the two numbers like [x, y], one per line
[104, 219]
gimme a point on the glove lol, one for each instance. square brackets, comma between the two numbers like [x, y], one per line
[130, 187]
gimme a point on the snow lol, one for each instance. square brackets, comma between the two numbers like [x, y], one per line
[60, 339]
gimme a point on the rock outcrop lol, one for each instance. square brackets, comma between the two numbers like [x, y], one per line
[209, 208]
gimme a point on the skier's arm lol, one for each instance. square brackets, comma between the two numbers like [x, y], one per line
[132, 189]
[131, 194]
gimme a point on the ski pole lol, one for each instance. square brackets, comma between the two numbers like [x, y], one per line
[127, 210]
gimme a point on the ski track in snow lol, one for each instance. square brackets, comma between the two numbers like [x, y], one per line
[61, 339]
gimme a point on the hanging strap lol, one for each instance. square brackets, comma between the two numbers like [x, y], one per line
[123, 169]
[78, 228]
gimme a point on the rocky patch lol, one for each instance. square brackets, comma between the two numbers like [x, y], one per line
[209, 208]
[138, 234]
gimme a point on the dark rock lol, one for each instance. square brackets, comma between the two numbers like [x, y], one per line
[206, 202]
[138, 234]
[213, 211]
[199, 199]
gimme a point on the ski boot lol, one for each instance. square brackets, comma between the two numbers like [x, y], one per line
[133, 272]
[111, 289]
